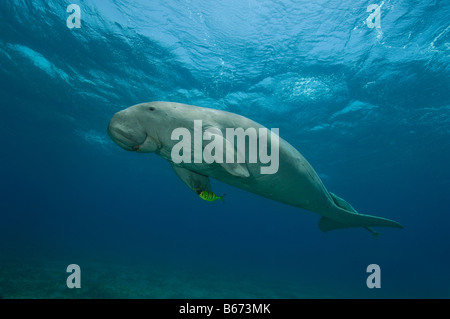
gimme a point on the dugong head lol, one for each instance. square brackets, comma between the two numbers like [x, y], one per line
[135, 128]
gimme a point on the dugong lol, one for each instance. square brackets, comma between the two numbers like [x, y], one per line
[149, 127]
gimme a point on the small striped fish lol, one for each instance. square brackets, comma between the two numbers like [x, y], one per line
[210, 196]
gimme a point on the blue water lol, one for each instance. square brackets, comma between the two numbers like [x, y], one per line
[368, 107]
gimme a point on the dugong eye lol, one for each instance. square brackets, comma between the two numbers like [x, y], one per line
[151, 108]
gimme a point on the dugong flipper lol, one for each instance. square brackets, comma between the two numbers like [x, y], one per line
[150, 127]
[195, 181]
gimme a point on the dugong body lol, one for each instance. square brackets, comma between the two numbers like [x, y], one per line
[148, 127]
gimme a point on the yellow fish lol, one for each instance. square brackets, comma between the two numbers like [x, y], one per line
[210, 196]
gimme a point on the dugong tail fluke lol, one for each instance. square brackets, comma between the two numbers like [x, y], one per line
[346, 217]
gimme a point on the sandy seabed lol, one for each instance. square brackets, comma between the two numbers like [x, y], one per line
[47, 280]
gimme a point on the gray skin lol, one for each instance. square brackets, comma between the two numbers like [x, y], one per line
[147, 127]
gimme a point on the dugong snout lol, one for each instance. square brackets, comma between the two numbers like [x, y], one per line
[125, 130]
